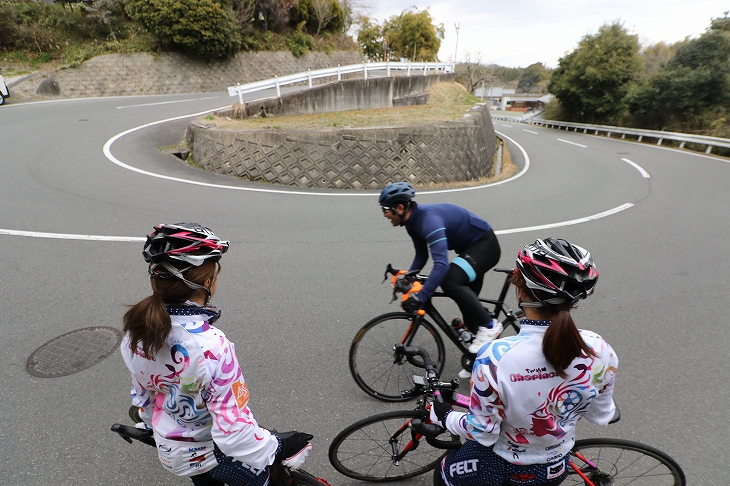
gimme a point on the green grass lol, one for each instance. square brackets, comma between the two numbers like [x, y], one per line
[447, 102]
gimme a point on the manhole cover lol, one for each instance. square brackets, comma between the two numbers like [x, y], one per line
[73, 351]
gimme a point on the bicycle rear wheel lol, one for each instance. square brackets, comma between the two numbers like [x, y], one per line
[378, 369]
[618, 462]
[365, 449]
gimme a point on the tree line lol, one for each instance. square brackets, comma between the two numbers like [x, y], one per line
[608, 79]
[204, 28]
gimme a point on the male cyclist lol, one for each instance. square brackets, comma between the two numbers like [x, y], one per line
[440, 228]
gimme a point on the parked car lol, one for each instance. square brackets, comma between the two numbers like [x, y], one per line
[4, 93]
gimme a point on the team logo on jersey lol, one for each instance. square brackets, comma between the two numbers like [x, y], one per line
[463, 467]
[240, 392]
[556, 470]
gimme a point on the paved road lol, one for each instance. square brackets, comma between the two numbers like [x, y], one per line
[304, 272]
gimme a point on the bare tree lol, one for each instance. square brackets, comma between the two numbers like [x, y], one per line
[101, 11]
[324, 12]
[245, 11]
[471, 73]
[354, 9]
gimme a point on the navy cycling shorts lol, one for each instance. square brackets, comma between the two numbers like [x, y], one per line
[477, 465]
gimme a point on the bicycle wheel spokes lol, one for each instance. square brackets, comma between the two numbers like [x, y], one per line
[365, 450]
[375, 366]
[617, 462]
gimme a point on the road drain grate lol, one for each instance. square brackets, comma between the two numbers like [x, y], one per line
[73, 352]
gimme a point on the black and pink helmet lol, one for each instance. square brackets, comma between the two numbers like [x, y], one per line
[180, 246]
[557, 269]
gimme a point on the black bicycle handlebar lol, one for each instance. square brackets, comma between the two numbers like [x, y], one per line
[431, 431]
[128, 433]
[390, 270]
[410, 352]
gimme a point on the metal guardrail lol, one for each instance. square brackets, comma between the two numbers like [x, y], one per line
[278, 82]
[659, 136]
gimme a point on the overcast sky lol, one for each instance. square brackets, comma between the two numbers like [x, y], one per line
[518, 33]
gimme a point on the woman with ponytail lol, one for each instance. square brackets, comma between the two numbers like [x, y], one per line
[529, 391]
[186, 381]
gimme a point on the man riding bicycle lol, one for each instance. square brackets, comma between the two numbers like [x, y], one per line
[440, 228]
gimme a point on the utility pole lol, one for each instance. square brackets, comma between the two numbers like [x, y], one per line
[456, 48]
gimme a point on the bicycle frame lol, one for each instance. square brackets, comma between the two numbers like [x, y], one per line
[499, 309]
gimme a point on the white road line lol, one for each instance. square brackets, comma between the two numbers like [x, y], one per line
[61, 236]
[167, 102]
[529, 131]
[572, 143]
[35, 234]
[567, 223]
[508, 126]
[636, 166]
[108, 154]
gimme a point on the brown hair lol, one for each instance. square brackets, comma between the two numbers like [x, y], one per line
[562, 342]
[148, 322]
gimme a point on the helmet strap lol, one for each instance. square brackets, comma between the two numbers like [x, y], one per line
[212, 281]
[406, 207]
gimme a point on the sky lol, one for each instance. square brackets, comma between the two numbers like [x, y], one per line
[518, 33]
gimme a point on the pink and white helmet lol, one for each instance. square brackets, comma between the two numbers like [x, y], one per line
[188, 243]
[556, 268]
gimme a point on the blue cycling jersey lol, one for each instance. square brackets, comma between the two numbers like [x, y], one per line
[439, 228]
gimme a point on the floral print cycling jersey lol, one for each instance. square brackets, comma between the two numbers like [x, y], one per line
[524, 408]
[195, 390]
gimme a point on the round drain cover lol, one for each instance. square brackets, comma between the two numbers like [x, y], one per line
[73, 351]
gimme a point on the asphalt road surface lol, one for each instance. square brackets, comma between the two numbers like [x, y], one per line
[303, 274]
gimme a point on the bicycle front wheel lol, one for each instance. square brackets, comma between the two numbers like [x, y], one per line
[618, 462]
[365, 449]
[378, 369]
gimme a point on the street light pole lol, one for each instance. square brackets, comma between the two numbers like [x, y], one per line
[456, 48]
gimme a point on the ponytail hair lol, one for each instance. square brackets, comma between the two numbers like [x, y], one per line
[148, 323]
[562, 342]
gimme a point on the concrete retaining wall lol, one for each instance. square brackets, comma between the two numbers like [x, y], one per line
[365, 158]
[170, 73]
[353, 94]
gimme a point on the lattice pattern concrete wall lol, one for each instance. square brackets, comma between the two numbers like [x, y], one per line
[169, 73]
[351, 158]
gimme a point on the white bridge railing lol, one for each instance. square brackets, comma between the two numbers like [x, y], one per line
[338, 72]
[659, 136]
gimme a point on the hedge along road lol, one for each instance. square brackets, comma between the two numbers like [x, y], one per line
[304, 273]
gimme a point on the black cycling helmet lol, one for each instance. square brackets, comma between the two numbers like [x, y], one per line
[559, 271]
[172, 249]
[396, 193]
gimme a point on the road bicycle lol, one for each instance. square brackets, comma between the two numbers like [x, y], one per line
[390, 446]
[382, 372]
[280, 474]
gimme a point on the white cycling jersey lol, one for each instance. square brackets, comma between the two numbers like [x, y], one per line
[196, 392]
[524, 408]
